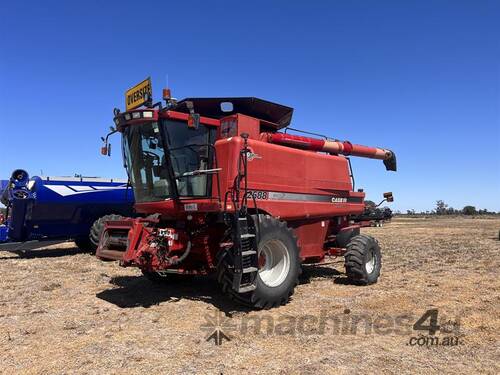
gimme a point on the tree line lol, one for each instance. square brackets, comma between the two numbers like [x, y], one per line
[443, 209]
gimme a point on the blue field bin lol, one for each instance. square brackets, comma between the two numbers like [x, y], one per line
[60, 207]
[4, 233]
[4, 230]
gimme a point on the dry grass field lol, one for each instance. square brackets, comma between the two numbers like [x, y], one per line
[66, 312]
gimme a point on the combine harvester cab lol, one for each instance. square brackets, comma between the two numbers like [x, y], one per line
[48, 210]
[223, 188]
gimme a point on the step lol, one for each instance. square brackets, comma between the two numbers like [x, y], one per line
[248, 252]
[246, 288]
[250, 269]
[247, 235]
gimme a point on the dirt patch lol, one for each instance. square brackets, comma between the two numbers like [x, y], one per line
[62, 311]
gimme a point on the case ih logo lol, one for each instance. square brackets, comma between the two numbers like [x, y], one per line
[339, 200]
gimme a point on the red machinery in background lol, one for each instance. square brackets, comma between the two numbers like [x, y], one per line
[220, 189]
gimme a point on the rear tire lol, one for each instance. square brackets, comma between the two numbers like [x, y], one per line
[96, 230]
[279, 273]
[363, 260]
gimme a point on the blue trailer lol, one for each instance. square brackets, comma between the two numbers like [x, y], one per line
[46, 210]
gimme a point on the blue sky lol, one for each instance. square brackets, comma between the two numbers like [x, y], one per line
[419, 77]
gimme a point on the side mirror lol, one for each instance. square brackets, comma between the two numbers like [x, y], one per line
[106, 150]
[389, 197]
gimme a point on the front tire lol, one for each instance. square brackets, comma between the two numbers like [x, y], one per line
[98, 227]
[363, 260]
[279, 266]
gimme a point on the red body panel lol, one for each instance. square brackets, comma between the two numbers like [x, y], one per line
[305, 174]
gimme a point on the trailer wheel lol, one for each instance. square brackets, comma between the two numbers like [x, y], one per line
[279, 266]
[363, 260]
[96, 231]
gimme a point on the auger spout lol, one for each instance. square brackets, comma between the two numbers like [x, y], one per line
[334, 147]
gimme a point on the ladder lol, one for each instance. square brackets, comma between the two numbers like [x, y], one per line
[244, 251]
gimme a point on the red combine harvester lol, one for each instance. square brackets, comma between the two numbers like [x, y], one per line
[220, 190]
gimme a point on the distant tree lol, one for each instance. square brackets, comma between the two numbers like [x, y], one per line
[410, 212]
[441, 207]
[469, 210]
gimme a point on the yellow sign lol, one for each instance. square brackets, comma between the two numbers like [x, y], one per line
[139, 94]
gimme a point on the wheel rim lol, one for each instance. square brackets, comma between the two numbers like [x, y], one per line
[371, 262]
[274, 263]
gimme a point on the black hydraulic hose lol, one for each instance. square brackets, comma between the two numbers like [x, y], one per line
[183, 256]
[352, 174]
[235, 192]
[226, 195]
[258, 218]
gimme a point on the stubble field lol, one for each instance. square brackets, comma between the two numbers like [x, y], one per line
[62, 311]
